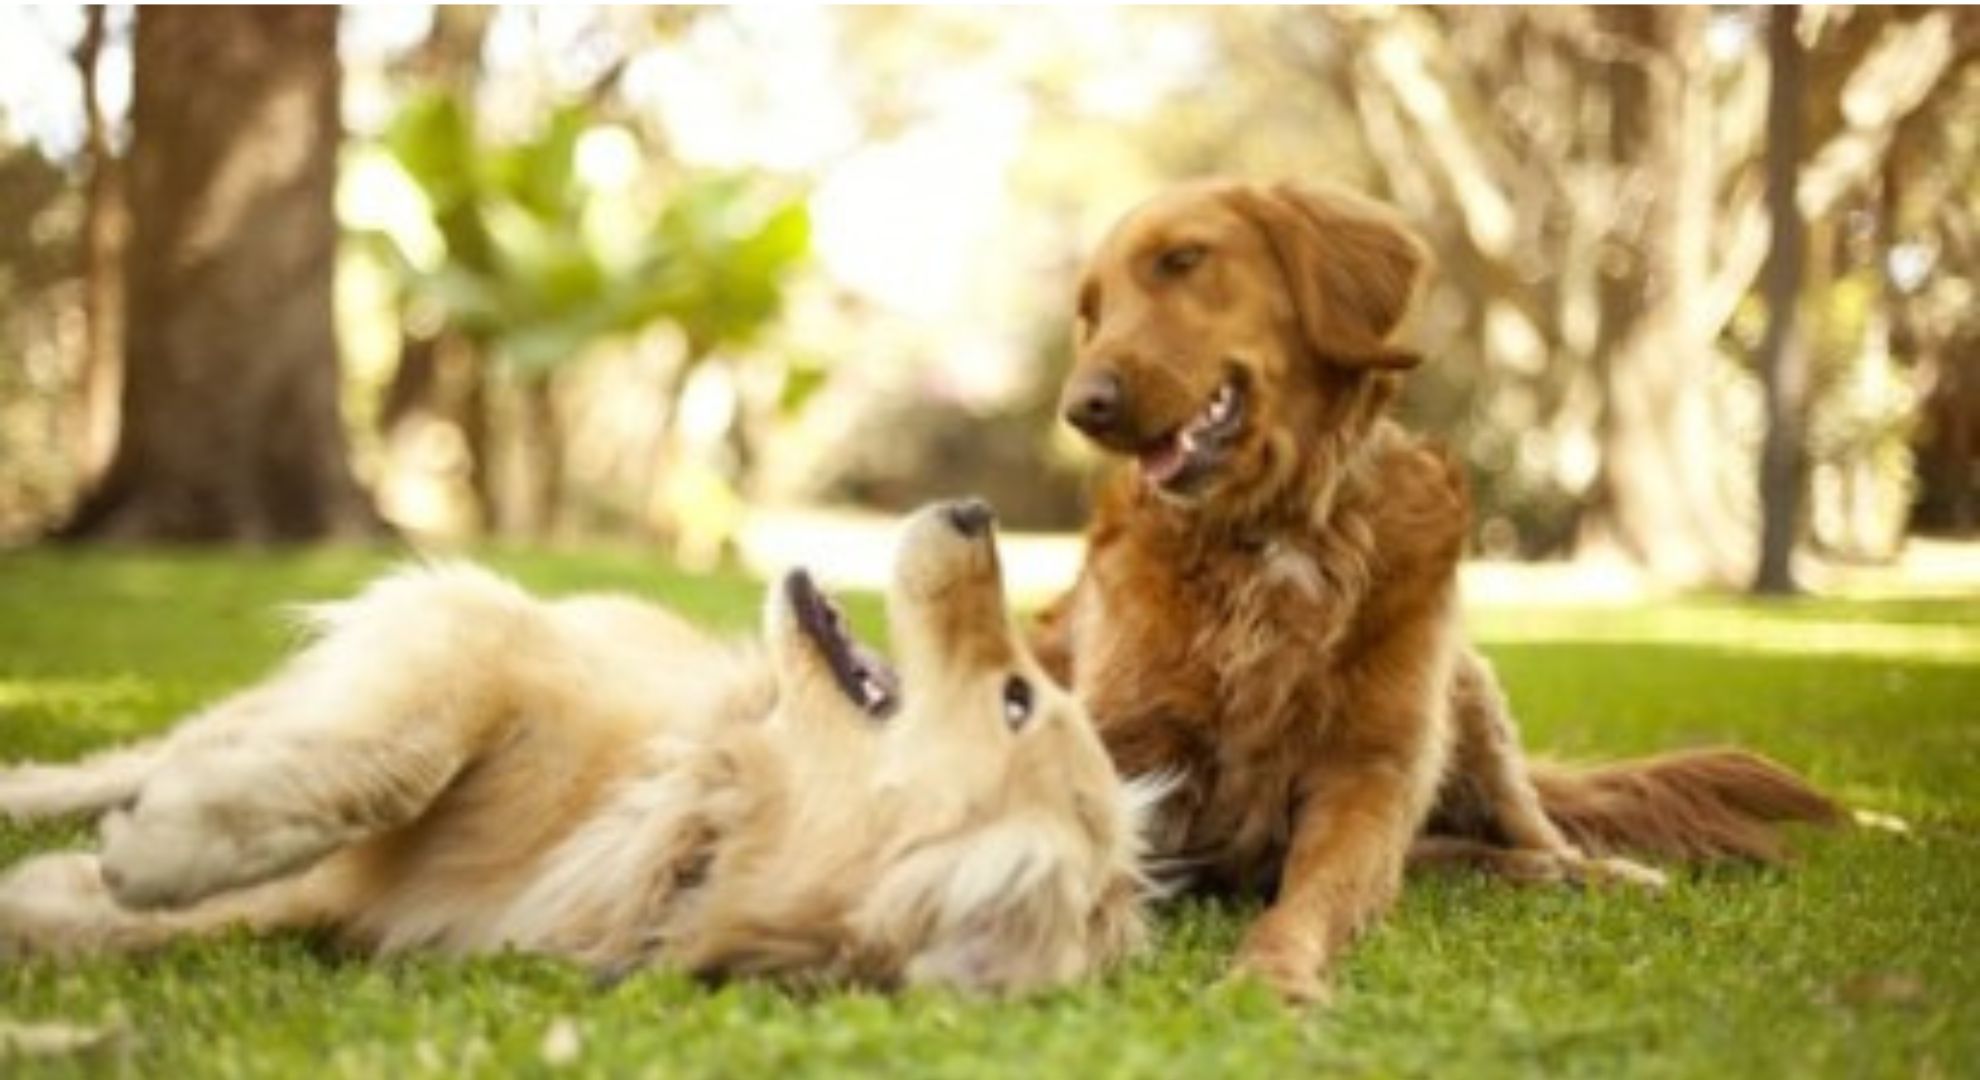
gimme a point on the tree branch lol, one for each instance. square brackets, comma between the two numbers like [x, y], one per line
[1896, 78]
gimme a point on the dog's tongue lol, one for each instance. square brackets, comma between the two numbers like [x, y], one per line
[1160, 465]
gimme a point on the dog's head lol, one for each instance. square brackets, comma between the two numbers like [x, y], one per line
[1221, 325]
[958, 822]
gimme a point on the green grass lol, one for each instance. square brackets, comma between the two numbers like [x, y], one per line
[1862, 960]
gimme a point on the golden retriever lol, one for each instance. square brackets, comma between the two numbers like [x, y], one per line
[1268, 604]
[455, 765]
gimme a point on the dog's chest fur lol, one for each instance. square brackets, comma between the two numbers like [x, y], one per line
[1214, 663]
[1230, 660]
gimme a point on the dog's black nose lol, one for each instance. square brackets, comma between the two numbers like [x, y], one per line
[971, 517]
[1093, 402]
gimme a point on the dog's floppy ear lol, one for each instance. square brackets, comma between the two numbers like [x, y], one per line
[1352, 269]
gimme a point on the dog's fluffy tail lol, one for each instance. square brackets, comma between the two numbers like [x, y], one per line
[1690, 806]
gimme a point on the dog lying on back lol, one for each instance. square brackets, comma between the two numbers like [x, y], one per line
[455, 765]
[1268, 605]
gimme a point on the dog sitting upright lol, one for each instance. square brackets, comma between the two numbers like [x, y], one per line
[1268, 605]
[456, 765]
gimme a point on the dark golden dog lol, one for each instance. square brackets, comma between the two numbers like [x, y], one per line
[1268, 606]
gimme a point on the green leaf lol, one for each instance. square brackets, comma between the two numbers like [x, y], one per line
[433, 140]
[800, 384]
[523, 275]
[541, 173]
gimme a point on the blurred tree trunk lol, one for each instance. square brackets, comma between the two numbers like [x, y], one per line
[543, 440]
[1927, 191]
[231, 428]
[1948, 447]
[442, 373]
[106, 223]
[524, 466]
[1783, 359]
[1659, 494]
[1588, 177]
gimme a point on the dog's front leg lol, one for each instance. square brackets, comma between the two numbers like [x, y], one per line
[1342, 872]
[1360, 803]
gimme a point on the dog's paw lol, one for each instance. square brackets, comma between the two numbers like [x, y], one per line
[1624, 873]
[154, 859]
[169, 852]
[1526, 867]
[1283, 959]
[55, 905]
[198, 832]
[165, 856]
[1293, 982]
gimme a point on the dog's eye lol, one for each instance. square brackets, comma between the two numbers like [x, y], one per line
[1177, 261]
[1088, 310]
[1017, 702]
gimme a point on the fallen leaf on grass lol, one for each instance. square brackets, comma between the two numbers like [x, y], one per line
[562, 1042]
[55, 1038]
[1881, 988]
[1877, 819]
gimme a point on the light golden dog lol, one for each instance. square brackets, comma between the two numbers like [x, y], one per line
[1268, 606]
[458, 766]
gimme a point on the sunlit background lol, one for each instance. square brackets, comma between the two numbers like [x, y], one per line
[714, 278]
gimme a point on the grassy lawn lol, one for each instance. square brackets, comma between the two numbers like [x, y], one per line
[1862, 960]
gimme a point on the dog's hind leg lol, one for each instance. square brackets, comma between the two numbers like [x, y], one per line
[1490, 761]
[1524, 865]
[1528, 866]
[1489, 767]
[357, 735]
[56, 904]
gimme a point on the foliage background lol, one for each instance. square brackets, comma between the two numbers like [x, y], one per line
[640, 272]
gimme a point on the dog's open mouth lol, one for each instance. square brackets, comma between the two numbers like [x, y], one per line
[866, 679]
[1178, 460]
